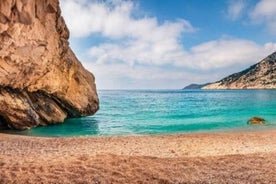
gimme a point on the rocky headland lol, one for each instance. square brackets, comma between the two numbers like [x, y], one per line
[41, 80]
[259, 76]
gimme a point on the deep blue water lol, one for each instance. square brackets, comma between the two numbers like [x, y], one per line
[169, 112]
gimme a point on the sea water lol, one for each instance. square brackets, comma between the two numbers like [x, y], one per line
[132, 112]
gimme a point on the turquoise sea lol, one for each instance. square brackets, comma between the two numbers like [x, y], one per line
[130, 112]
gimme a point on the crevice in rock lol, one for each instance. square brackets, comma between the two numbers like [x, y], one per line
[46, 107]
[69, 109]
[3, 124]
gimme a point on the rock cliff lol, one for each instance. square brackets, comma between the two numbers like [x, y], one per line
[41, 80]
[259, 76]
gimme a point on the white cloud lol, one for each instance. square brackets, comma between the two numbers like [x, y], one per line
[265, 12]
[210, 55]
[144, 53]
[115, 19]
[160, 52]
[235, 9]
[203, 63]
[227, 52]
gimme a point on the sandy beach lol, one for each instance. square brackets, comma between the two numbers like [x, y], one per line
[224, 157]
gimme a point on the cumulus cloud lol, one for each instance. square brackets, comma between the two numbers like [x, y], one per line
[131, 52]
[265, 12]
[141, 51]
[210, 55]
[227, 52]
[115, 19]
[235, 9]
[117, 65]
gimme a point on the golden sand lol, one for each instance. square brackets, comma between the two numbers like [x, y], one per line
[229, 157]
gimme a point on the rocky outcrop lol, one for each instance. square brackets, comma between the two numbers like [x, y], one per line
[256, 121]
[41, 80]
[259, 76]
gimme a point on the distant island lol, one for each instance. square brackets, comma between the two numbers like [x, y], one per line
[195, 86]
[259, 76]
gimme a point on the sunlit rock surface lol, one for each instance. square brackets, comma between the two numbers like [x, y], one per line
[41, 80]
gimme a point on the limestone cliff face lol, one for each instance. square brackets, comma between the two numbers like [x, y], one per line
[41, 80]
[259, 76]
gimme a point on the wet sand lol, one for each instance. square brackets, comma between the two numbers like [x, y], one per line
[229, 157]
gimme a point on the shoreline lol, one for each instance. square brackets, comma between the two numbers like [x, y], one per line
[250, 128]
[207, 157]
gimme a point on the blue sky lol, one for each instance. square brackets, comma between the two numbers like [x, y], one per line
[163, 44]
